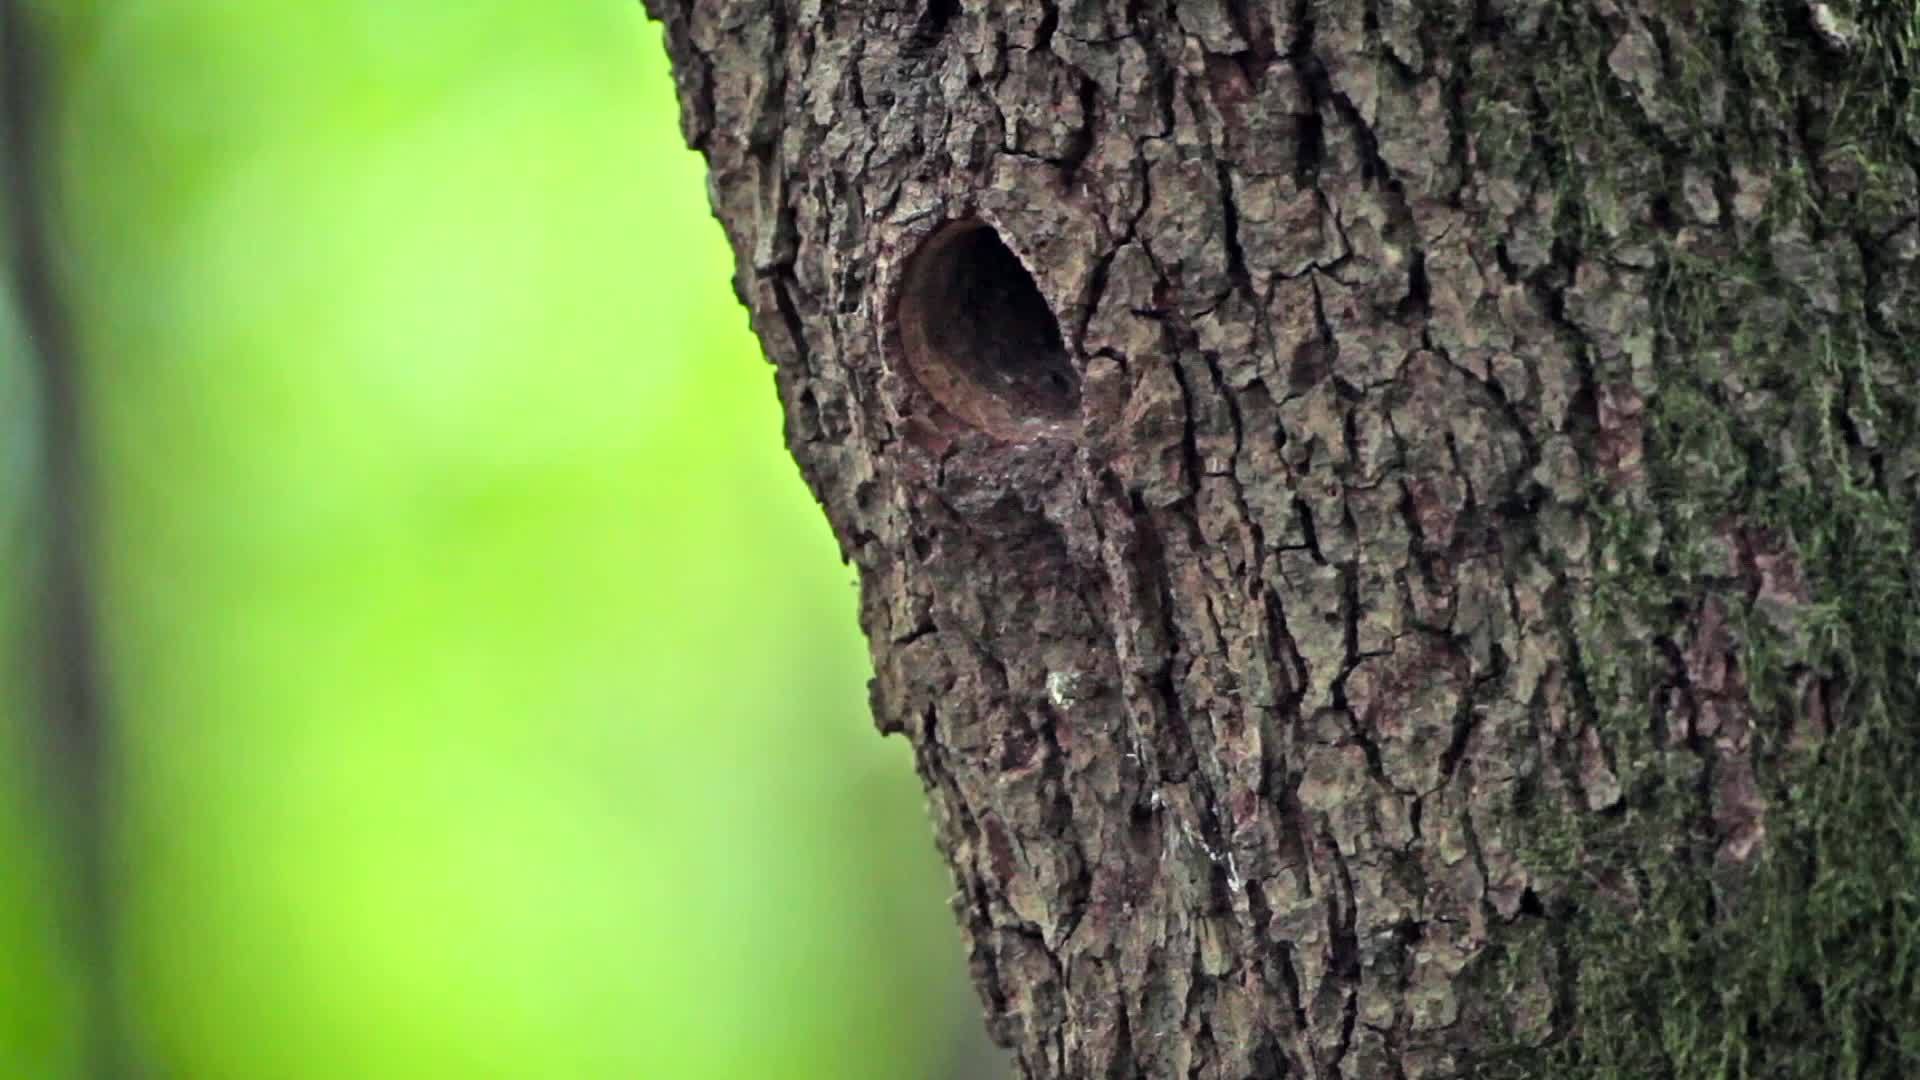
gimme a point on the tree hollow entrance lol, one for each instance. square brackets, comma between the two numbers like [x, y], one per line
[981, 340]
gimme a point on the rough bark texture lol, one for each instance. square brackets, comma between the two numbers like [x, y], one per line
[1387, 524]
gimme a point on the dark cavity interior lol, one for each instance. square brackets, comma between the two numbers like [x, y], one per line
[981, 338]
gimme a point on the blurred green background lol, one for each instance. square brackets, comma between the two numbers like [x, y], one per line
[486, 693]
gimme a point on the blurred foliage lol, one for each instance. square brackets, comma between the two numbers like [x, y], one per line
[39, 986]
[486, 684]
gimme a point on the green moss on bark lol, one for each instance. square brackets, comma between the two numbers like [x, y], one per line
[1782, 469]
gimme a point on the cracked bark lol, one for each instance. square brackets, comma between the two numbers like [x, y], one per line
[1361, 569]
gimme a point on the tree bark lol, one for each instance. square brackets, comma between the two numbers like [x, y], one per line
[1387, 523]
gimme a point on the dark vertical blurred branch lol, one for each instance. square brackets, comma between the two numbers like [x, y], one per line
[73, 721]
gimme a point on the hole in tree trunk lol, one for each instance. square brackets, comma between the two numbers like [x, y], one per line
[981, 339]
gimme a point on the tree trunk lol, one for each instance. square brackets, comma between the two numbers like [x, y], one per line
[1387, 523]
